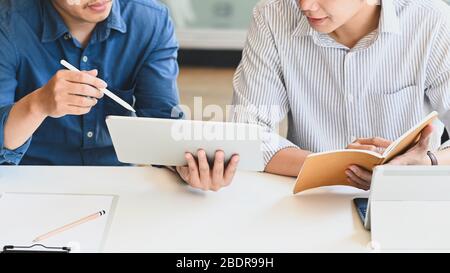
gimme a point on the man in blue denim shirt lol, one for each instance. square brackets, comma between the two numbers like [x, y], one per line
[52, 116]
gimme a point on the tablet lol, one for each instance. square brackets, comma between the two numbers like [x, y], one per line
[361, 208]
[155, 141]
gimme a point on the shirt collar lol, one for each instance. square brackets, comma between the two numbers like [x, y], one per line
[54, 26]
[389, 21]
[303, 28]
[115, 19]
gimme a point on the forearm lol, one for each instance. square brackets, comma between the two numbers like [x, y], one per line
[287, 162]
[23, 120]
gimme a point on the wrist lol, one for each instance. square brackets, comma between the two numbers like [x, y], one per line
[35, 105]
[425, 161]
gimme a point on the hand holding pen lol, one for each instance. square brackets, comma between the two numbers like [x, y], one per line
[70, 93]
[104, 90]
[73, 92]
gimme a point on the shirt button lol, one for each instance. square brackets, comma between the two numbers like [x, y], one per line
[85, 59]
[67, 36]
[90, 134]
[350, 98]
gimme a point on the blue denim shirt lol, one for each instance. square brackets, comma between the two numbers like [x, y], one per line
[134, 50]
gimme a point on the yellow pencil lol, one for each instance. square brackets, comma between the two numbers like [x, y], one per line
[69, 226]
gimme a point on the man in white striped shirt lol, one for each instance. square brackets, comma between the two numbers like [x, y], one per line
[346, 73]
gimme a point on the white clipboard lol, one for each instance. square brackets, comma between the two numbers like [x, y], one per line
[24, 216]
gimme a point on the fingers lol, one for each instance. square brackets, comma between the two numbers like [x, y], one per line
[357, 182]
[231, 169]
[75, 105]
[374, 144]
[357, 146]
[360, 177]
[375, 141]
[82, 90]
[203, 166]
[358, 185]
[82, 102]
[416, 155]
[193, 177]
[93, 72]
[218, 171]
[183, 172]
[71, 93]
[84, 78]
[201, 176]
[361, 173]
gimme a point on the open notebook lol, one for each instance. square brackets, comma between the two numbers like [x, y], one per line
[24, 216]
[328, 168]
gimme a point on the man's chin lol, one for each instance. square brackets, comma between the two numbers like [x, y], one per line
[96, 19]
[324, 29]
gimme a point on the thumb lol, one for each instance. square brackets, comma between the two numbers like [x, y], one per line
[425, 136]
[183, 172]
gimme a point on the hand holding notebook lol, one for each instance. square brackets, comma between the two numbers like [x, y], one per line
[336, 162]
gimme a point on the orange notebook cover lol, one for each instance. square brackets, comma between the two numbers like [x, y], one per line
[328, 168]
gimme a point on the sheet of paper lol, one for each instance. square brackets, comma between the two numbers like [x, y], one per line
[25, 216]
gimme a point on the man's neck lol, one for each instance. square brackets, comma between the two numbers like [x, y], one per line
[82, 31]
[363, 23]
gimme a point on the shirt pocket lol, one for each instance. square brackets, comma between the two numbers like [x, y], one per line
[401, 89]
[112, 108]
[391, 113]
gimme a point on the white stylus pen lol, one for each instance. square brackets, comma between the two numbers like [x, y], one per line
[105, 91]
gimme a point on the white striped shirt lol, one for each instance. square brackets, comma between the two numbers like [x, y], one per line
[332, 94]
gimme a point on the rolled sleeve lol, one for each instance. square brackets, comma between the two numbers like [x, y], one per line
[272, 144]
[445, 146]
[8, 84]
[10, 157]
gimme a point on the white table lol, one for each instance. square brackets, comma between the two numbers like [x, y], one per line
[158, 213]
